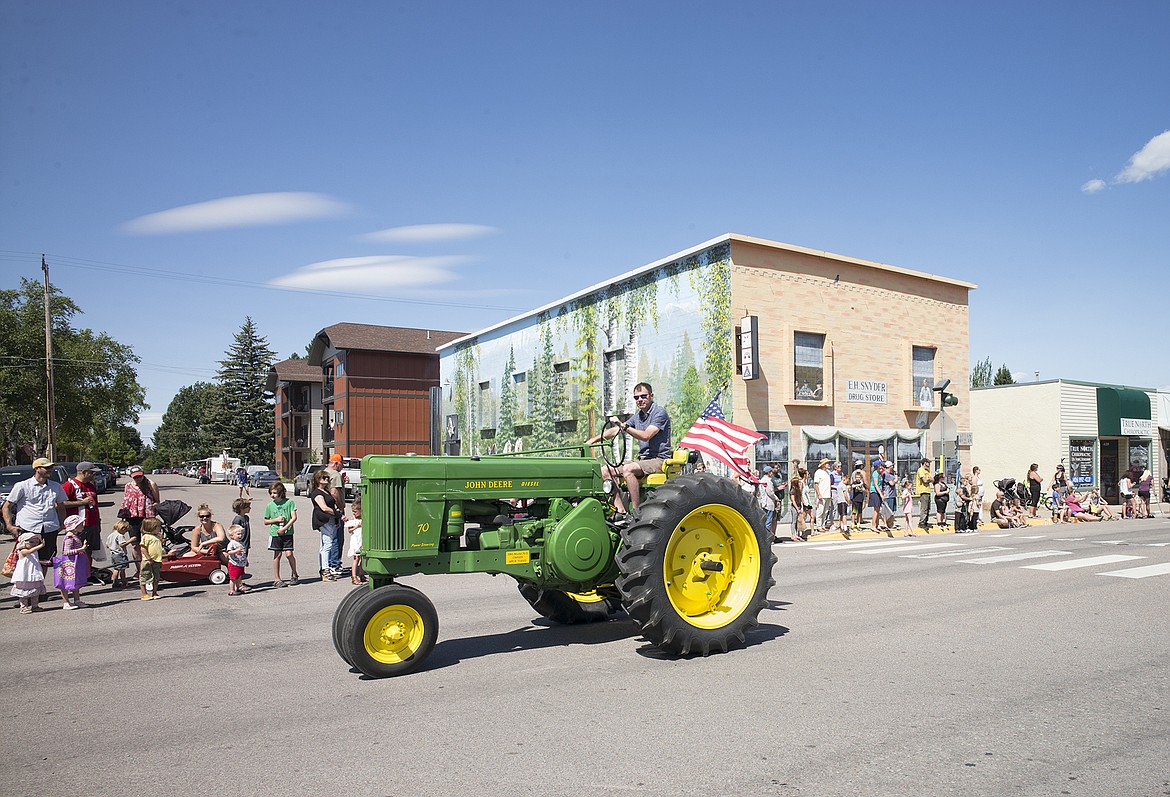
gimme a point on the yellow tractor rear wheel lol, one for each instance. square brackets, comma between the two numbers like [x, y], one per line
[696, 565]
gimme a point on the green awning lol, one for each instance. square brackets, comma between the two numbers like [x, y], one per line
[1116, 403]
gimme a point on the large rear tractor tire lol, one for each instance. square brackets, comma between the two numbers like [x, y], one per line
[389, 631]
[568, 608]
[696, 566]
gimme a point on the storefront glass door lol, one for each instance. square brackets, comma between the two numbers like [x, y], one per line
[1109, 472]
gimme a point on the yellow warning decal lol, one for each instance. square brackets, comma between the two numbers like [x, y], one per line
[516, 557]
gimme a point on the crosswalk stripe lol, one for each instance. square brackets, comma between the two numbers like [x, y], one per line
[862, 544]
[1035, 537]
[1111, 542]
[1072, 564]
[1067, 539]
[940, 554]
[921, 547]
[995, 535]
[1141, 572]
[1013, 557]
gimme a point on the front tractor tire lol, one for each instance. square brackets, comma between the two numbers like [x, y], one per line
[696, 566]
[567, 608]
[389, 631]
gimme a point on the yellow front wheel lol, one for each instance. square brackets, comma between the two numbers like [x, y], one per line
[389, 631]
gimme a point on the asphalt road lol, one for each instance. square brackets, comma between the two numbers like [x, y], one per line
[926, 666]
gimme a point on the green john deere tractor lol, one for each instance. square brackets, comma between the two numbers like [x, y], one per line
[692, 570]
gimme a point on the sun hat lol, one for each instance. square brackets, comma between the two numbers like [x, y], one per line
[28, 535]
[823, 462]
[72, 522]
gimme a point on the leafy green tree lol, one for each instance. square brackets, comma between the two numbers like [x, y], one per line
[96, 390]
[185, 433]
[242, 418]
[981, 373]
[1004, 376]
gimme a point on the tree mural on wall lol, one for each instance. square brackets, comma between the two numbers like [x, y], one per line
[584, 373]
[466, 373]
[506, 426]
[608, 340]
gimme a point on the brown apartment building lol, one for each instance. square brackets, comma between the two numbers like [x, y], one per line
[376, 387]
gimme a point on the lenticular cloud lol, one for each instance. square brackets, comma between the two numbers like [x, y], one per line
[249, 210]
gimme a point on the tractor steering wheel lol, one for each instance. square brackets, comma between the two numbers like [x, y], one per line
[622, 446]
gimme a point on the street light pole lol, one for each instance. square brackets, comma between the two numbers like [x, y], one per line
[50, 414]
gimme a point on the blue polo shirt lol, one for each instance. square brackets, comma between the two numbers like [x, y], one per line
[658, 446]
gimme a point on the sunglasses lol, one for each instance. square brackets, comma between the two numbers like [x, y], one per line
[205, 517]
[640, 396]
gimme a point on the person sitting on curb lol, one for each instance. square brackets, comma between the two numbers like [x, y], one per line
[1073, 510]
[1099, 507]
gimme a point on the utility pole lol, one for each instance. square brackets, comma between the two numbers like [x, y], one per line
[50, 418]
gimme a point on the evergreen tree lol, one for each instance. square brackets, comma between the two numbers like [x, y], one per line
[506, 428]
[1003, 376]
[691, 401]
[242, 419]
[544, 395]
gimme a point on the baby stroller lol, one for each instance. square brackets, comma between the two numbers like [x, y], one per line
[178, 565]
[1013, 490]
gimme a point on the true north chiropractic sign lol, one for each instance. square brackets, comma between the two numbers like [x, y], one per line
[862, 391]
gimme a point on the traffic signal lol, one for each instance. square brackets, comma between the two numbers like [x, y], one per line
[945, 399]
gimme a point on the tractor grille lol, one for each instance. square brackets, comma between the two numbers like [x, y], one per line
[386, 530]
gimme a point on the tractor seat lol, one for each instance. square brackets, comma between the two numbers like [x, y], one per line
[671, 467]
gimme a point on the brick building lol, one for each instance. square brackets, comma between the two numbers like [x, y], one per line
[296, 386]
[848, 355]
[376, 387]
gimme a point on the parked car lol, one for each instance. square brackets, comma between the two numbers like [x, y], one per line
[301, 483]
[264, 478]
[111, 474]
[11, 474]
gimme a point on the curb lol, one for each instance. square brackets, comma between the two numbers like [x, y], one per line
[868, 533]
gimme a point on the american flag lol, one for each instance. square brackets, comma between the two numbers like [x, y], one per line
[715, 436]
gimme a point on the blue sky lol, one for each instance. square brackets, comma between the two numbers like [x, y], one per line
[447, 165]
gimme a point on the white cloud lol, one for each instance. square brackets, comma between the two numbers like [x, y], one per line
[429, 233]
[375, 274]
[1148, 162]
[249, 210]
[1093, 186]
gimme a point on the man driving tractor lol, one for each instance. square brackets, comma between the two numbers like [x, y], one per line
[650, 426]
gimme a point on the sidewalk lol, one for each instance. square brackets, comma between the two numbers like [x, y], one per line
[866, 532]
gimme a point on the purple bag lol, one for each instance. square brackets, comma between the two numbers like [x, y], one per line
[70, 572]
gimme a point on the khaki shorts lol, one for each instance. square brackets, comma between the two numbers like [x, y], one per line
[645, 467]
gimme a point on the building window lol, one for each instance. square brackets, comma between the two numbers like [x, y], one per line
[520, 393]
[486, 416]
[809, 367]
[922, 376]
[561, 384]
[613, 398]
